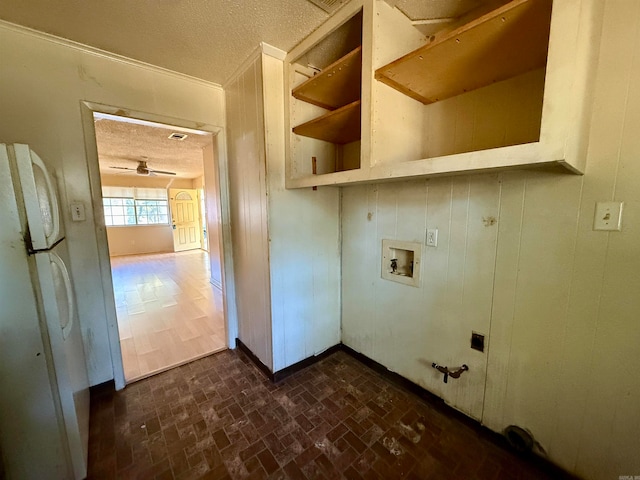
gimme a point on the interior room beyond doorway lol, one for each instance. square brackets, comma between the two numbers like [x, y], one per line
[161, 207]
[168, 312]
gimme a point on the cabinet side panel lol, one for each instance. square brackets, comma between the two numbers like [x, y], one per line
[247, 176]
[397, 122]
[304, 246]
[573, 50]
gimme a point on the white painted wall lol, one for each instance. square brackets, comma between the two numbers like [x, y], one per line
[42, 82]
[564, 311]
[139, 240]
[287, 242]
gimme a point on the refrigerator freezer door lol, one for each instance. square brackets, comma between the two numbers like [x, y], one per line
[32, 442]
[68, 353]
[40, 196]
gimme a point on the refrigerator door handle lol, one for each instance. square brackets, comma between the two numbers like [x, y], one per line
[28, 160]
[66, 329]
[55, 211]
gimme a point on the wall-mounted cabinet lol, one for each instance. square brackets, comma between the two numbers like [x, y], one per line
[507, 88]
[324, 92]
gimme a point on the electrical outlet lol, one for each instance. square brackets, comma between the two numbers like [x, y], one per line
[608, 216]
[432, 237]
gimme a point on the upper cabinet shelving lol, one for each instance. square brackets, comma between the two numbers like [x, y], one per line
[340, 126]
[336, 85]
[509, 88]
[499, 45]
[324, 83]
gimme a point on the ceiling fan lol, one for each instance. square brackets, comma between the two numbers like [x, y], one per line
[142, 169]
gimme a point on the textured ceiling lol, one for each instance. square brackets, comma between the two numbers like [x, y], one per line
[124, 144]
[207, 39]
[435, 9]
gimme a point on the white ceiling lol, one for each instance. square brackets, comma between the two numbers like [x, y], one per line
[124, 144]
[207, 39]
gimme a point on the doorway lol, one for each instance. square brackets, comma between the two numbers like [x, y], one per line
[168, 298]
[168, 312]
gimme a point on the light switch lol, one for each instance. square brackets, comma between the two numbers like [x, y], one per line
[608, 216]
[77, 212]
[432, 237]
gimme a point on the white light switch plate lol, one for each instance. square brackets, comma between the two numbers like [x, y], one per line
[432, 237]
[608, 216]
[77, 212]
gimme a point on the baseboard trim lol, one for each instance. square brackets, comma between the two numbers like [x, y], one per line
[307, 362]
[256, 361]
[280, 375]
[107, 387]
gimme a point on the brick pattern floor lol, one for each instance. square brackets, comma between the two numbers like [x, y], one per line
[220, 418]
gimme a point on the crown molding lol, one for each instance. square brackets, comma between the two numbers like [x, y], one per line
[12, 27]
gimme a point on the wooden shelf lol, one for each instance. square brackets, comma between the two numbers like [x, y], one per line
[338, 126]
[506, 42]
[335, 86]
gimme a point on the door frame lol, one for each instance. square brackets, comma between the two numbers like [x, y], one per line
[222, 170]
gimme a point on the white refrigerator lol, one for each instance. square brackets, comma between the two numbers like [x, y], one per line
[44, 389]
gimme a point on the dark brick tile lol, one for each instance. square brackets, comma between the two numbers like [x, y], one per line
[355, 442]
[252, 450]
[221, 439]
[253, 464]
[307, 456]
[179, 463]
[268, 462]
[220, 418]
[293, 471]
[337, 432]
[304, 423]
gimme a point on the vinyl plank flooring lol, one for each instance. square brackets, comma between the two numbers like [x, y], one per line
[168, 312]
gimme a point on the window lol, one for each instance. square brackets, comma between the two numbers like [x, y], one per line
[119, 211]
[123, 206]
[151, 212]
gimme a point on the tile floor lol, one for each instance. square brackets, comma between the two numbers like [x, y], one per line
[168, 312]
[220, 418]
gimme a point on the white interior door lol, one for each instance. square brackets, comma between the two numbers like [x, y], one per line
[185, 218]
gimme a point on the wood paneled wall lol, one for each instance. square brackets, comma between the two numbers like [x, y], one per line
[286, 242]
[563, 300]
[304, 231]
[249, 205]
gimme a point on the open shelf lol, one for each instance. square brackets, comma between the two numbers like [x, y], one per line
[502, 44]
[338, 126]
[336, 85]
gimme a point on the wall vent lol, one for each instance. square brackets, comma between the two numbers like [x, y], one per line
[329, 6]
[178, 136]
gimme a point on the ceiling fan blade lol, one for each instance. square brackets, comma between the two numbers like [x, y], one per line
[162, 172]
[123, 168]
